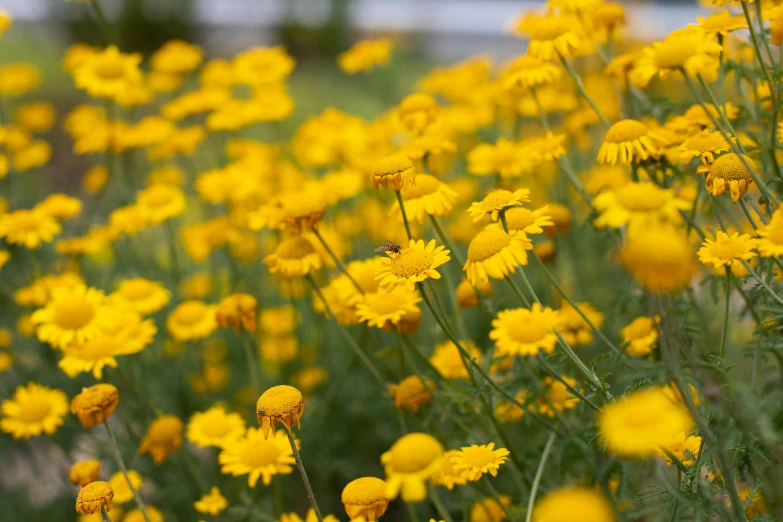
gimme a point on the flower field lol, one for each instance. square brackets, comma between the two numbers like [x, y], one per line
[543, 289]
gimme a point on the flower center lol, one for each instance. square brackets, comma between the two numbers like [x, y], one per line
[625, 130]
[530, 329]
[497, 199]
[387, 303]
[477, 459]
[74, 313]
[729, 167]
[295, 248]
[637, 331]
[34, 410]
[487, 243]
[191, 312]
[549, 29]
[261, 454]
[727, 249]
[410, 262]
[97, 349]
[157, 196]
[137, 290]
[640, 197]
[26, 221]
[703, 143]
[674, 52]
[216, 429]
[110, 69]
[414, 454]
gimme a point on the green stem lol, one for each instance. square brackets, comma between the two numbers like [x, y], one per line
[551, 371]
[674, 459]
[761, 281]
[252, 367]
[446, 240]
[412, 512]
[537, 479]
[497, 497]
[337, 260]
[302, 472]
[753, 39]
[404, 214]
[580, 86]
[438, 503]
[517, 290]
[725, 329]
[175, 272]
[347, 336]
[105, 515]
[121, 464]
[193, 471]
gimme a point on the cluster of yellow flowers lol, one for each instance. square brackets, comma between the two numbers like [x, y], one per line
[533, 279]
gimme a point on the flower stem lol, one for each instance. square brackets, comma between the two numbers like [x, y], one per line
[193, 470]
[580, 86]
[756, 48]
[105, 515]
[252, 367]
[347, 336]
[436, 500]
[175, 273]
[446, 240]
[725, 329]
[404, 215]
[121, 464]
[302, 472]
[337, 260]
[537, 479]
[497, 497]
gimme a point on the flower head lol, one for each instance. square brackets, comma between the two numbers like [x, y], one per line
[34, 409]
[214, 427]
[429, 196]
[574, 328]
[473, 461]
[412, 265]
[635, 425]
[553, 36]
[84, 472]
[468, 294]
[256, 456]
[414, 459]
[683, 446]
[237, 311]
[661, 258]
[164, 436]
[770, 242]
[122, 489]
[294, 257]
[212, 503]
[689, 49]
[95, 404]
[143, 295]
[493, 253]
[412, 392]
[192, 320]
[417, 111]
[364, 55]
[279, 404]
[93, 497]
[447, 360]
[365, 497]
[704, 145]
[557, 397]
[641, 336]
[637, 204]
[497, 201]
[528, 72]
[509, 159]
[389, 309]
[560, 505]
[108, 73]
[489, 510]
[729, 172]
[523, 331]
[30, 228]
[396, 169]
[626, 141]
[727, 250]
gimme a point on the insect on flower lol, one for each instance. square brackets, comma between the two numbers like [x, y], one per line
[390, 247]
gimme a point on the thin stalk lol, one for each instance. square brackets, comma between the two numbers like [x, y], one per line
[755, 42]
[105, 515]
[761, 281]
[725, 329]
[412, 512]
[252, 367]
[191, 467]
[551, 371]
[347, 336]
[302, 472]
[175, 272]
[446, 240]
[674, 459]
[121, 463]
[517, 291]
[438, 503]
[537, 479]
[497, 497]
[404, 214]
[580, 86]
[336, 260]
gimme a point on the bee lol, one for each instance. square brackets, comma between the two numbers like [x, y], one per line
[262, 412]
[390, 247]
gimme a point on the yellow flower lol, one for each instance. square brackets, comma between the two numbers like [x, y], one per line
[525, 332]
[254, 455]
[447, 360]
[34, 409]
[396, 169]
[417, 111]
[135, 515]
[37, 117]
[263, 65]
[528, 221]
[294, 257]
[37, 153]
[661, 258]
[641, 336]
[309, 379]
[488, 510]
[238, 311]
[414, 459]
[728, 172]
[770, 242]
[95, 179]
[427, 197]
[95, 404]
[412, 393]
[552, 37]
[637, 204]
[506, 158]
[279, 320]
[412, 265]
[689, 49]
[574, 329]
[5, 21]
[176, 57]
[211, 504]
[493, 253]
[30, 228]
[164, 436]
[449, 476]
[214, 427]
[122, 490]
[705, 145]
[560, 505]
[17, 79]
[108, 73]
[678, 445]
[388, 309]
[84, 472]
[557, 397]
[95, 354]
[161, 202]
[364, 55]
[507, 411]
[279, 404]
[473, 461]
[94, 497]
[468, 295]
[727, 250]
[365, 497]
[59, 207]
[626, 141]
[192, 320]
[144, 296]
[309, 517]
[496, 201]
[723, 23]
[528, 72]
[635, 425]
[72, 315]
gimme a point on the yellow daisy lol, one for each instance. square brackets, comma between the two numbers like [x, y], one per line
[212, 503]
[389, 309]
[449, 476]
[527, 72]
[626, 141]
[637, 204]
[192, 320]
[505, 158]
[726, 250]
[527, 220]
[493, 253]
[473, 461]
[34, 409]
[30, 228]
[411, 393]
[122, 490]
[412, 461]
[770, 242]
[144, 296]
[429, 196]
[72, 315]
[489, 510]
[523, 331]
[641, 336]
[59, 206]
[496, 201]
[729, 172]
[108, 73]
[689, 49]
[554, 36]
[258, 457]
[574, 329]
[557, 398]
[365, 498]
[294, 257]
[412, 265]
[164, 436]
[661, 258]
[160, 202]
[705, 145]
[679, 445]
[447, 360]
[561, 504]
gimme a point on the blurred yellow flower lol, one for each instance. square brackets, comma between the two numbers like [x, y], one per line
[412, 461]
[34, 409]
[258, 457]
[364, 55]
